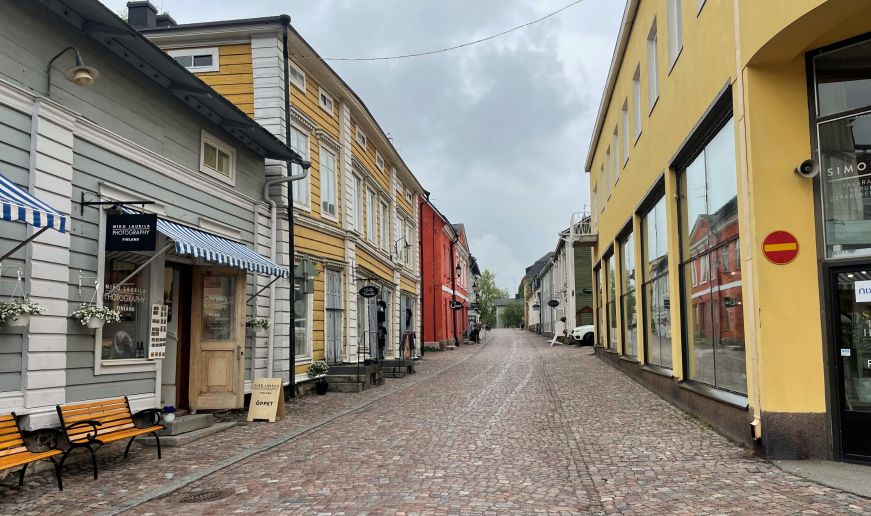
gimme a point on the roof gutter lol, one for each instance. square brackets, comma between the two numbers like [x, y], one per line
[616, 61]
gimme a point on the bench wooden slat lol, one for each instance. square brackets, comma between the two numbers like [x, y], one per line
[14, 451]
[10, 441]
[97, 416]
[92, 410]
[71, 407]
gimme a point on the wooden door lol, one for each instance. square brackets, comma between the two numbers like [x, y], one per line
[217, 338]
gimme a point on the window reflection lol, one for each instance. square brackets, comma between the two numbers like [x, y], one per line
[657, 318]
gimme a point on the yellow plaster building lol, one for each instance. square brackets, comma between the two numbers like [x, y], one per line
[355, 214]
[728, 282]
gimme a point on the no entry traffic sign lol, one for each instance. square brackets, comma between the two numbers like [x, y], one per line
[780, 247]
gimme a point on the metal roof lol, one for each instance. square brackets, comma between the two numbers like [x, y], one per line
[96, 20]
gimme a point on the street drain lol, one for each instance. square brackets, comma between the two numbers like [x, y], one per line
[207, 495]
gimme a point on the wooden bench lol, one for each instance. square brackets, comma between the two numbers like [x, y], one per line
[92, 424]
[14, 450]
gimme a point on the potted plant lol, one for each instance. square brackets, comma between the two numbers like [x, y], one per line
[318, 370]
[258, 323]
[14, 313]
[94, 316]
[168, 414]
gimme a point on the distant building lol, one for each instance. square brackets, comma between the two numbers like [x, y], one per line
[501, 305]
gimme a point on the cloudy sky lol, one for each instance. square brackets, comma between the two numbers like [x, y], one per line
[496, 132]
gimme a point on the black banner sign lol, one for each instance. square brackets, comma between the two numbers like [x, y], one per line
[456, 305]
[369, 291]
[553, 303]
[131, 232]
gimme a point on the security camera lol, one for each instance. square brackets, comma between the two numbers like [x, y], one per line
[808, 169]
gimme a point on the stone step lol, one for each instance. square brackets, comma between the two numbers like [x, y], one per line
[347, 387]
[188, 423]
[187, 437]
[347, 378]
[353, 369]
[394, 375]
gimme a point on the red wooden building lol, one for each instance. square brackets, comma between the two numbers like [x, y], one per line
[447, 271]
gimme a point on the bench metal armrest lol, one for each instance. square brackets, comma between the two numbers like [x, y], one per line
[77, 424]
[152, 413]
[42, 439]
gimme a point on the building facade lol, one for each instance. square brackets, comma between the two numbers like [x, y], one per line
[149, 138]
[729, 273]
[355, 214]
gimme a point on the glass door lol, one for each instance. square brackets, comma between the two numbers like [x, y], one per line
[852, 329]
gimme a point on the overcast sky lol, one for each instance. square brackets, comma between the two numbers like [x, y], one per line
[497, 132]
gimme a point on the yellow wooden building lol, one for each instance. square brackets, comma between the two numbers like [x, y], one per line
[729, 178]
[355, 214]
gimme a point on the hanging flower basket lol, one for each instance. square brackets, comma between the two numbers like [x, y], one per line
[258, 323]
[94, 316]
[16, 314]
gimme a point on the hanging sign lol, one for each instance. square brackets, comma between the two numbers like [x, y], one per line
[780, 247]
[475, 306]
[456, 305]
[266, 403]
[369, 291]
[131, 232]
[553, 303]
[157, 341]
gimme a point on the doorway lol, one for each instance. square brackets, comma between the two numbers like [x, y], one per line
[851, 322]
[175, 376]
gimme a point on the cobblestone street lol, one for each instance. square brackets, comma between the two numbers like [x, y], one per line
[509, 426]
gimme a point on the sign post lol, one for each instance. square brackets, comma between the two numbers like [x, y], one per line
[266, 401]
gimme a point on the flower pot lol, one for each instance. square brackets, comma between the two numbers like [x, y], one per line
[18, 321]
[168, 417]
[321, 388]
[96, 322]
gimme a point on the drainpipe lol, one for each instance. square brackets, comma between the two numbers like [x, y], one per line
[422, 338]
[454, 288]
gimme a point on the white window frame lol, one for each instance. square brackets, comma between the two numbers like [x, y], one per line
[652, 68]
[309, 322]
[331, 108]
[379, 161]
[408, 248]
[357, 186]
[624, 131]
[675, 32]
[213, 51]
[636, 103]
[360, 136]
[219, 144]
[616, 153]
[329, 184]
[384, 226]
[295, 169]
[295, 81]
[371, 221]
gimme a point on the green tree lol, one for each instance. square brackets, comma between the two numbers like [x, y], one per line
[512, 315]
[487, 294]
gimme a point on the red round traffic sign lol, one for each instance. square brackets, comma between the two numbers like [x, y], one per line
[780, 247]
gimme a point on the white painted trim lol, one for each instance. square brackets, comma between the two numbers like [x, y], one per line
[453, 292]
[212, 51]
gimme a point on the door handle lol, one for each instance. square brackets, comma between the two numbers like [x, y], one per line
[240, 352]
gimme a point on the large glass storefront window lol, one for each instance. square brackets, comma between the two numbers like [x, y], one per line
[843, 79]
[712, 296]
[600, 307]
[627, 298]
[657, 317]
[300, 319]
[611, 308]
[128, 338]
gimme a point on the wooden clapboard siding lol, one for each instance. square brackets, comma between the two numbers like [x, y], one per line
[315, 242]
[374, 265]
[407, 285]
[234, 78]
[583, 279]
[366, 156]
[14, 164]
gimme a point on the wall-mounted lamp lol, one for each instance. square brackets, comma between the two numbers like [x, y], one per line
[459, 270]
[79, 74]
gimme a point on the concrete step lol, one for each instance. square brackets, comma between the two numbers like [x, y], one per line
[346, 387]
[394, 375]
[353, 369]
[187, 437]
[189, 423]
[347, 378]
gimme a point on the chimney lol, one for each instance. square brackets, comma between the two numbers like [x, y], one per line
[141, 14]
[165, 20]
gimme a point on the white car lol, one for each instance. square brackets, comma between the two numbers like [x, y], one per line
[584, 334]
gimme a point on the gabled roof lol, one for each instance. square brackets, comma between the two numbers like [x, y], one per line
[97, 21]
[535, 269]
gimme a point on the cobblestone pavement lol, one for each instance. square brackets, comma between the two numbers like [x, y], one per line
[509, 426]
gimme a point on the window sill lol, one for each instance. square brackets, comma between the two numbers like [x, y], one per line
[729, 398]
[653, 106]
[661, 371]
[609, 350]
[629, 358]
[673, 63]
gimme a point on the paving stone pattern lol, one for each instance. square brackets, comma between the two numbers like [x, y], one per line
[508, 426]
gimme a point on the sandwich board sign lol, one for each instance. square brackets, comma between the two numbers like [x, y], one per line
[266, 401]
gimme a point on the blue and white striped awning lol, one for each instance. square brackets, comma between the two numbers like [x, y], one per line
[216, 249]
[18, 205]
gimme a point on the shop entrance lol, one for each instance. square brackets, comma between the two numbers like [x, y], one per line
[851, 300]
[217, 338]
[175, 375]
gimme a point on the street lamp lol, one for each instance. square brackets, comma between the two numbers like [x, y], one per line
[459, 270]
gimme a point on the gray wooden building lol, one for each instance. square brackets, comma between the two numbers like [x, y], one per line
[146, 130]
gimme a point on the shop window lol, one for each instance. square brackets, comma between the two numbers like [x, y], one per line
[217, 159]
[600, 307]
[299, 142]
[127, 339]
[657, 316]
[329, 184]
[301, 320]
[714, 331]
[197, 59]
[611, 309]
[628, 298]
[843, 79]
